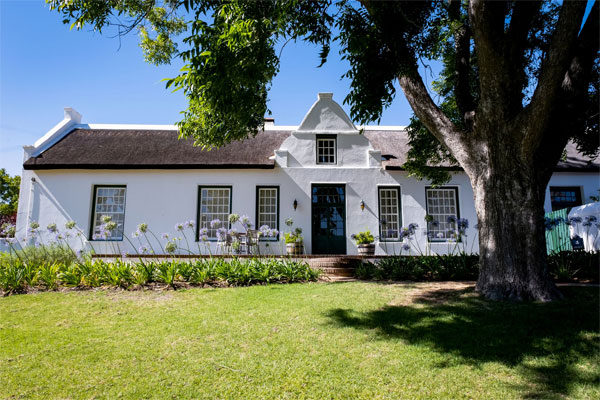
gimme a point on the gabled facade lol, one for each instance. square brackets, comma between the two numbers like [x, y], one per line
[332, 178]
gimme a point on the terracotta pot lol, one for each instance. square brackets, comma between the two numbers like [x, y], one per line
[294, 248]
[366, 249]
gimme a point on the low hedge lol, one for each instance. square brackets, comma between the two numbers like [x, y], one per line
[567, 266]
[17, 276]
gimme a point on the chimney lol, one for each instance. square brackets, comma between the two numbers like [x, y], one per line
[269, 122]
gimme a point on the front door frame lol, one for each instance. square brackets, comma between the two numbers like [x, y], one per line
[312, 233]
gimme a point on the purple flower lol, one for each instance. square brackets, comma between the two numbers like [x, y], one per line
[451, 219]
[51, 228]
[412, 227]
[190, 224]
[591, 218]
[435, 223]
[215, 223]
[273, 232]
[165, 236]
[142, 249]
[221, 234]
[463, 223]
[406, 247]
[179, 227]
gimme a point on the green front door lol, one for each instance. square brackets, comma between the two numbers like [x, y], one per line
[328, 219]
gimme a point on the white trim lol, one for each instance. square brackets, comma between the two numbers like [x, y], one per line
[128, 127]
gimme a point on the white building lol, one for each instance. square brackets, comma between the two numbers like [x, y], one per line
[331, 178]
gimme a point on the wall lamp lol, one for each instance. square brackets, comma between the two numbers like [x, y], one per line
[295, 204]
[362, 205]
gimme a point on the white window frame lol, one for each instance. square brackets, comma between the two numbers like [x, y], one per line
[327, 139]
[224, 215]
[259, 223]
[96, 221]
[384, 216]
[443, 226]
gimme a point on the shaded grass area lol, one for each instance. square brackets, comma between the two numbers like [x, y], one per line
[338, 340]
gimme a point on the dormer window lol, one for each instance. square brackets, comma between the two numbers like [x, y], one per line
[326, 150]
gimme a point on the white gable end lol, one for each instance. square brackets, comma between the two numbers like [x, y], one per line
[326, 116]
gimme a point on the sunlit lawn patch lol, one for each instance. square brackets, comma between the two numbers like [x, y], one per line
[339, 340]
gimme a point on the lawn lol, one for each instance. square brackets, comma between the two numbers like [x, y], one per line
[317, 340]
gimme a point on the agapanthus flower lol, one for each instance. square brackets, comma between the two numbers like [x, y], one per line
[232, 232]
[435, 223]
[233, 218]
[273, 232]
[179, 227]
[591, 218]
[165, 235]
[106, 218]
[575, 220]
[586, 224]
[406, 247]
[451, 219]
[79, 253]
[51, 227]
[135, 234]
[190, 224]
[34, 225]
[171, 247]
[59, 236]
[463, 223]
[245, 220]
[264, 229]
[95, 236]
[143, 228]
[289, 222]
[221, 233]
[142, 249]
[215, 223]
[110, 226]
[412, 227]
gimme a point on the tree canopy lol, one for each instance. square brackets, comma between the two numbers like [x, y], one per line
[9, 193]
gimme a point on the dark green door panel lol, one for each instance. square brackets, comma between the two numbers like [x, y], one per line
[328, 219]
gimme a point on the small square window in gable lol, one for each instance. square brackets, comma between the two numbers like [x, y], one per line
[326, 150]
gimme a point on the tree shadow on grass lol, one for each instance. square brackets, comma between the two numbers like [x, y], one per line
[553, 345]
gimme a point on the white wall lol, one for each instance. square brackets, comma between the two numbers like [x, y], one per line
[588, 182]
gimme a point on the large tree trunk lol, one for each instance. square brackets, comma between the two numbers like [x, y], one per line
[509, 200]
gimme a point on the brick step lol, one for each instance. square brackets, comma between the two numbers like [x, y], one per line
[347, 272]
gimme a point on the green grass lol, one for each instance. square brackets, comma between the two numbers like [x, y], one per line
[320, 341]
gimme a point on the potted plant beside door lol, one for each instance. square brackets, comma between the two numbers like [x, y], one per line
[365, 242]
[294, 242]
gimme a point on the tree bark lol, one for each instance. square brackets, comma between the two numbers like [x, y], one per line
[509, 201]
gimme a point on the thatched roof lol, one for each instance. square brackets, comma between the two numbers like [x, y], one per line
[161, 149]
[146, 149]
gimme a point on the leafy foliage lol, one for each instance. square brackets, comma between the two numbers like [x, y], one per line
[9, 193]
[365, 237]
[16, 276]
[565, 266]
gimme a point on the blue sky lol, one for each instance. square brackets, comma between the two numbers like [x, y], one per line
[46, 67]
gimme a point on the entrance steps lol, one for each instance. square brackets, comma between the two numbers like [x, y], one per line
[335, 266]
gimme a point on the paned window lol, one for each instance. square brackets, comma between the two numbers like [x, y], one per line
[442, 203]
[215, 203]
[326, 150]
[389, 213]
[564, 197]
[109, 201]
[267, 207]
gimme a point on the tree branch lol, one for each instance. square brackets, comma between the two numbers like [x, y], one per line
[538, 113]
[433, 118]
[462, 42]
[570, 114]
[486, 19]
